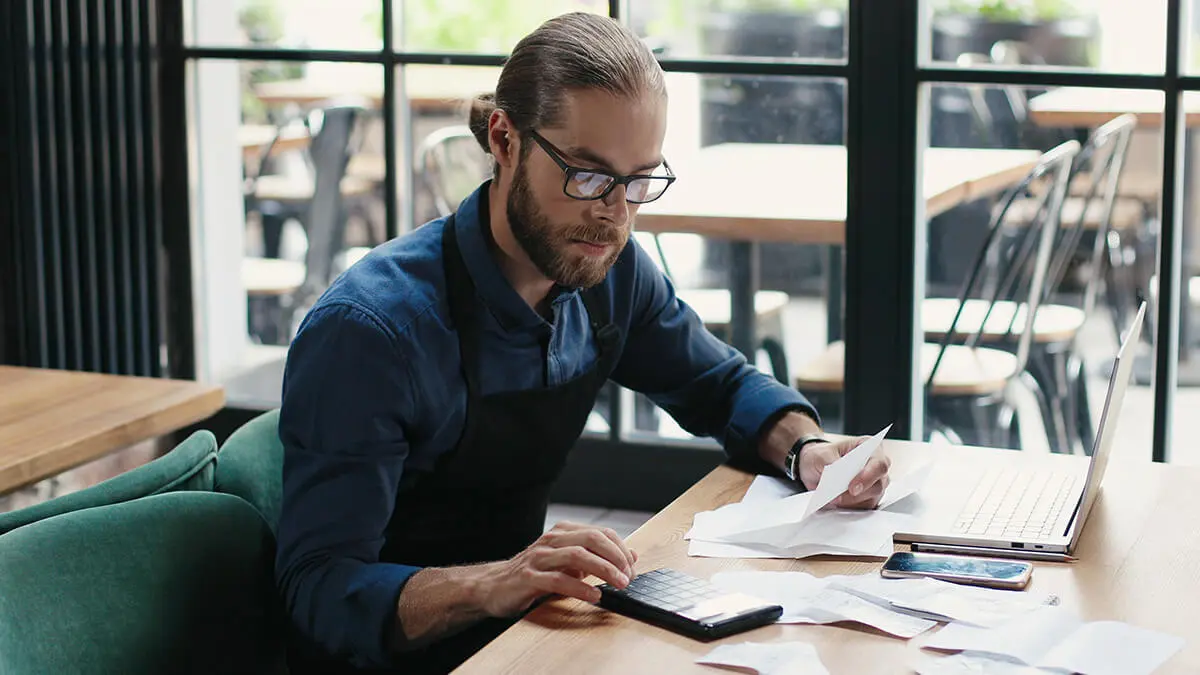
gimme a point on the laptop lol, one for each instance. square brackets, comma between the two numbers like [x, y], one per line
[1029, 506]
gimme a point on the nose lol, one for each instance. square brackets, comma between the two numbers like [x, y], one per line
[613, 208]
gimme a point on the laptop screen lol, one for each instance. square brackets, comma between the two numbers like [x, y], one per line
[1117, 384]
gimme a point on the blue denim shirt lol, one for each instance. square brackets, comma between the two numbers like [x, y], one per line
[373, 388]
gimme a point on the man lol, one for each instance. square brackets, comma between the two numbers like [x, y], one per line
[432, 394]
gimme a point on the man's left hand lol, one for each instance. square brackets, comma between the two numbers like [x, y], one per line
[866, 489]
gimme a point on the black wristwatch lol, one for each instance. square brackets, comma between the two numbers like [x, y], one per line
[790, 467]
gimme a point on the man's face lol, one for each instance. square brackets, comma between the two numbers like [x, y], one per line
[573, 242]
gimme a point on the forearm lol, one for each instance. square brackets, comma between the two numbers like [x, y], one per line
[774, 445]
[440, 601]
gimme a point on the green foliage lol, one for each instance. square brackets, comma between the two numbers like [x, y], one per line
[262, 24]
[1009, 10]
[775, 5]
[473, 26]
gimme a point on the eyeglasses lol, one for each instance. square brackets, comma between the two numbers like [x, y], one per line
[593, 184]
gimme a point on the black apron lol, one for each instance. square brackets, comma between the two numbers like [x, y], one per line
[486, 499]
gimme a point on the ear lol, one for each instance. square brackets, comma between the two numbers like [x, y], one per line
[503, 139]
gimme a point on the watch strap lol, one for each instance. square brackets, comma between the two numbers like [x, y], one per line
[791, 464]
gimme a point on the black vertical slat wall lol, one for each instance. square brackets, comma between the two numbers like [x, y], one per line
[81, 213]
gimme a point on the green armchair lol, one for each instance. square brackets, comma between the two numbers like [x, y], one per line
[250, 465]
[191, 465]
[178, 582]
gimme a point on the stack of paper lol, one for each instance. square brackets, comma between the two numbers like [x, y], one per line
[942, 600]
[773, 521]
[808, 599]
[768, 658]
[1054, 638]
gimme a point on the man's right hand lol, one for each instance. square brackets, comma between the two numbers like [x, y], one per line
[557, 563]
[438, 601]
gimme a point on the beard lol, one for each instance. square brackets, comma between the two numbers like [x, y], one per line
[550, 247]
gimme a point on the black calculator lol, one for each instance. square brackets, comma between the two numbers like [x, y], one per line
[688, 605]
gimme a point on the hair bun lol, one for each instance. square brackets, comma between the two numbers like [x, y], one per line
[477, 119]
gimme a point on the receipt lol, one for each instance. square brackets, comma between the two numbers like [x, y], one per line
[768, 658]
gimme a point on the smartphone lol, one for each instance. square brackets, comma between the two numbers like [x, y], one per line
[990, 572]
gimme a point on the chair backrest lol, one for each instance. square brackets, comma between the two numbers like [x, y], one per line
[188, 466]
[331, 149]
[172, 583]
[250, 466]
[1098, 167]
[1012, 263]
[451, 165]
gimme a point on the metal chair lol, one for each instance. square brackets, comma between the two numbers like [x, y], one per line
[450, 165]
[967, 384]
[278, 289]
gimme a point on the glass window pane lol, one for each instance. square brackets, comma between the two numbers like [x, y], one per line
[300, 24]
[978, 179]
[761, 171]
[781, 29]
[446, 161]
[1105, 35]
[480, 26]
[1184, 449]
[262, 255]
[1190, 34]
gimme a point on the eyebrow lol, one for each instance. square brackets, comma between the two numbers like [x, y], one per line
[594, 158]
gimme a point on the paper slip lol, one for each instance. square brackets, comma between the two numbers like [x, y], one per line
[769, 489]
[969, 663]
[808, 599]
[768, 658]
[1054, 637]
[836, 477]
[854, 530]
[715, 549]
[943, 600]
[905, 486]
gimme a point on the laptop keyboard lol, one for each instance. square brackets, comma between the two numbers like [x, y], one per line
[1019, 504]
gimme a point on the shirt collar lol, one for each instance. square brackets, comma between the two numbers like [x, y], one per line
[472, 225]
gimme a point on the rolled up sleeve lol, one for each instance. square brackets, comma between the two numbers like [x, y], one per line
[345, 396]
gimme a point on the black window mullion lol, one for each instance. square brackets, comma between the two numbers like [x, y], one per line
[880, 229]
[389, 122]
[1170, 245]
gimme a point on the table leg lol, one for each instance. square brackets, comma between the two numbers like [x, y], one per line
[833, 293]
[743, 286]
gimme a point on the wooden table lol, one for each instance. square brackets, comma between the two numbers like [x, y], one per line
[797, 193]
[253, 139]
[1137, 564]
[752, 193]
[54, 420]
[1075, 107]
[428, 88]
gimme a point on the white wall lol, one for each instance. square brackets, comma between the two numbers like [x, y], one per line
[218, 216]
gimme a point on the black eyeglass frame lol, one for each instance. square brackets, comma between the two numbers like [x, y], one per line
[571, 171]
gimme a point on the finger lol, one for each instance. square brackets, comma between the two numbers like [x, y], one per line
[568, 526]
[573, 558]
[865, 500]
[876, 469]
[615, 538]
[607, 545]
[566, 585]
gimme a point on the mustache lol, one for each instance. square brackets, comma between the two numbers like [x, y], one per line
[598, 234]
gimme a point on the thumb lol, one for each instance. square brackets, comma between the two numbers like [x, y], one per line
[849, 444]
